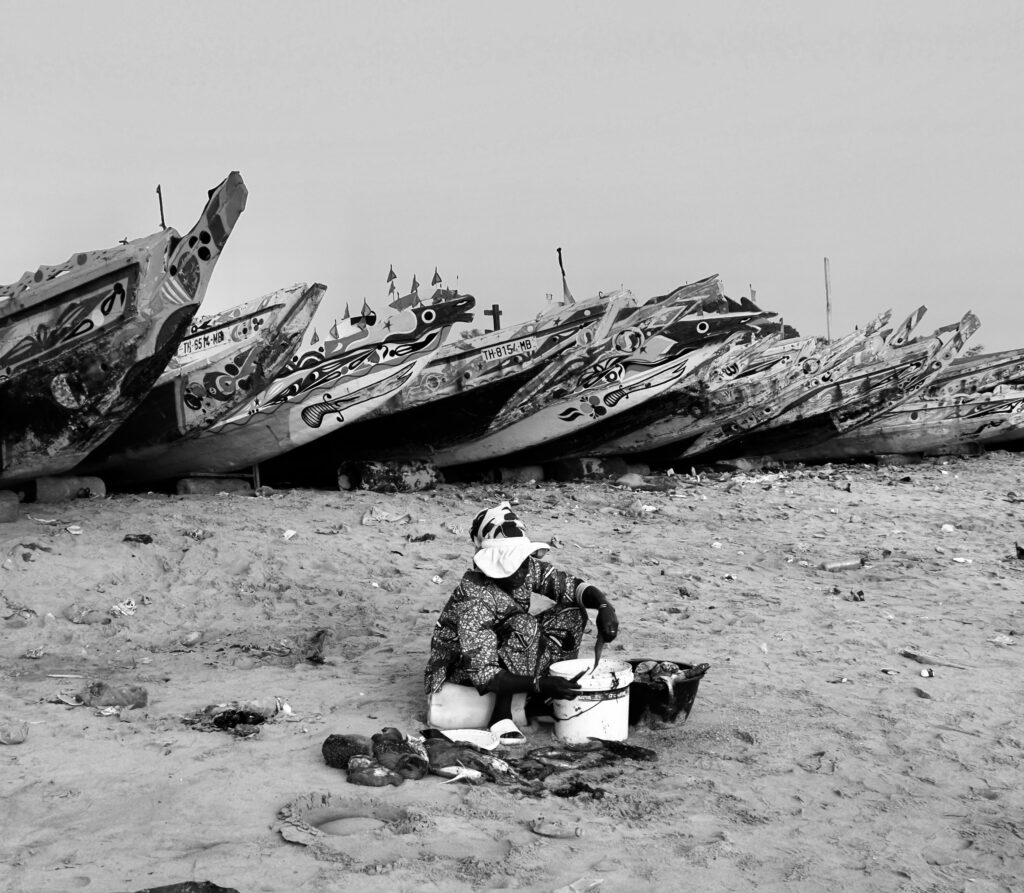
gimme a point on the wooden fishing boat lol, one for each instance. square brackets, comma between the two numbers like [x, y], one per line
[631, 361]
[889, 370]
[326, 385]
[224, 362]
[745, 406]
[975, 401]
[749, 375]
[82, 343]
[459, 391]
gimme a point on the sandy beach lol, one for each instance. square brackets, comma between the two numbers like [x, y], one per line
[817, 756]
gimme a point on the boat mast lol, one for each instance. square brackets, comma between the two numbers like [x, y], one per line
[828, 303]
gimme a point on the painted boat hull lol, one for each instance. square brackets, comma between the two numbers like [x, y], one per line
[82, 343]
[633, 361]
[241, 351]
[324, 387]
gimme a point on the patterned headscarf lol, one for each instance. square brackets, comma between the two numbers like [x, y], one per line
[501, 541]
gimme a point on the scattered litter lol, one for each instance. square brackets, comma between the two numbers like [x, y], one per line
[928, 673]
[288, 534]
[422, 538]
[198, 534]
[554, 829]
[74, 529]
[143, 538]
[126, 608]
[13, 733]
[890, 672]
[582, 885]
[964, 560]
[42, 520]
[716, 545]
[923, 658]
[948, 528]
[839, 680]
[81, 614]
[103, 694]
[333, 529]
[436, 579]
[846, 565]
[1003, 640]
[379, 516]
[853, 596]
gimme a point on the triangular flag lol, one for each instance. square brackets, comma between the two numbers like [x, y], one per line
[367, 309]
[391, 273]
[334, 330]
[391, 288]
[437, 279]
[348, 313]
[415, 285]
[315, 339]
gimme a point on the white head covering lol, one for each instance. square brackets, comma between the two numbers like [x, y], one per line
[501, 541]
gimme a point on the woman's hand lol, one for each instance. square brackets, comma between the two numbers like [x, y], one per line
[607, 622]
[557, 687]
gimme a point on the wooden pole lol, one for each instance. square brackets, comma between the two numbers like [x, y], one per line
[828, 303]
[160, 197]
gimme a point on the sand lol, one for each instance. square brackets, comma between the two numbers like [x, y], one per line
[816, 757]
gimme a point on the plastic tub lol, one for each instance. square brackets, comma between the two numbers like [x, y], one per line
[601, 709]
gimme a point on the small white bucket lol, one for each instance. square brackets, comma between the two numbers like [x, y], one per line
[601, 709]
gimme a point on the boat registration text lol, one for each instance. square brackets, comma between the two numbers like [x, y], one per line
[522, 347]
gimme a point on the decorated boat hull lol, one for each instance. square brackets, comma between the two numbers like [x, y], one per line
[224, 362]
[634, 360]
[83, 342]
[458, 393]
[323, 387]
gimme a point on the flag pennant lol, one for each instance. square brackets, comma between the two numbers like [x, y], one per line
[391, 288]
[367, 309]
[315, 339]
[415, 285]
[334, 330]
[348, 313]
[437, 279]
[406, 301]
[391, 273]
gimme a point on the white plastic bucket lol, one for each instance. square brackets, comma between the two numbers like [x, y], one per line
[601, 709]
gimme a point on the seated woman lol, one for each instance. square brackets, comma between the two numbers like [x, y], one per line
[486, 636]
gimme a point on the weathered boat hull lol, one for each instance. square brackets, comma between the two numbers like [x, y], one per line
[635, 361]
[927, 427]
[322, 388]
[82, 343]
[233, 356]
[456, 396]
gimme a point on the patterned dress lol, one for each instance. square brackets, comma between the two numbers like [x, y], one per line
[483, 629]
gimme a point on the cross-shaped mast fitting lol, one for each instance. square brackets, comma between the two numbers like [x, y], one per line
[495, 314]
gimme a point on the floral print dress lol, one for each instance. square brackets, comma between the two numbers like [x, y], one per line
[483, 629]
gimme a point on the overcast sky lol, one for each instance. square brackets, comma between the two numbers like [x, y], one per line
[655, 142]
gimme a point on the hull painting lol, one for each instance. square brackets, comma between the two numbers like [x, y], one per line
[192, 397]
[635, 361]
[478, 362]
[927, 427]
[321, 389]
[82, 343]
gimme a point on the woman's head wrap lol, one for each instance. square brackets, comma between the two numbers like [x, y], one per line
[501, 541]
